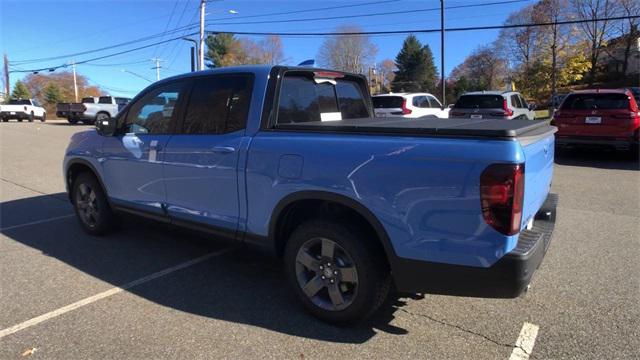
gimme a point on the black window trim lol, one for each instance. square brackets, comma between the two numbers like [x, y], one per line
[178, 130]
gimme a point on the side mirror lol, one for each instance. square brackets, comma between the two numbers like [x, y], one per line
[106, 127]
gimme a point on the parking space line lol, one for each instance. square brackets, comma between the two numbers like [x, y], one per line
[526, 341]
[37, 222]
[105, 294]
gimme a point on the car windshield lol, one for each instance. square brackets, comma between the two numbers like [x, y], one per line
[19, 102]
[387, 102]
[480, 101]
[596, 101]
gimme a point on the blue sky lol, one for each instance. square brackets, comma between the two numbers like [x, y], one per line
[39, 29]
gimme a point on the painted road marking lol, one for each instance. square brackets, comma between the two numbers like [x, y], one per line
[37, 222]
[105, 294]
[526, 341]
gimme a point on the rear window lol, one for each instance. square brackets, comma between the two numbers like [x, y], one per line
[88, 100]
[122, 101]
[104, 100]
[19, 102]
[480, 101]
[596, 101]
[302, 99]
[387, 102]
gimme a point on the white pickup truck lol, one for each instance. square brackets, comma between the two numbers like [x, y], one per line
[21, 109]
[91, 109]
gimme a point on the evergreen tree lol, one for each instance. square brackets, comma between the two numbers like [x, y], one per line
[52, 94]
[20, 91]
[416, 69]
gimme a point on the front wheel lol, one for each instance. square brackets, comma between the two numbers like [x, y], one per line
[44, 117]
[91, 205]
[339, 274]
[31, 117]
[72, 121]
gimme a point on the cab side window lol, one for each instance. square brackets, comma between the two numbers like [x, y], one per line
[434, 102]
[153, 113]
[218, 105]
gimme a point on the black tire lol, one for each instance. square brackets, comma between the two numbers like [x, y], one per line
[31, 117]
[44, 117]
[5, 120]
[19, 119]
[91, 205]
[368, 266]
[72, 121]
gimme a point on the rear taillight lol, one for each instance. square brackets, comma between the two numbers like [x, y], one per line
[507, 111]
[501, 197]
[405, 110]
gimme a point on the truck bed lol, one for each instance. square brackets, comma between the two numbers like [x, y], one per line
[493, 128]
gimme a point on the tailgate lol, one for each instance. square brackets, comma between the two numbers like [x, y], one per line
[538, 172]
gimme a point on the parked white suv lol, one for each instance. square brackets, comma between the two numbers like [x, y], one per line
[21, 109]
[506, 105]
[408, 105]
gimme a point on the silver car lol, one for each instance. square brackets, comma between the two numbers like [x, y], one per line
[506, 105]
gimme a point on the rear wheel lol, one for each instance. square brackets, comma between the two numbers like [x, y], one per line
[72, 120]
[338, 274]
[5, 119]
[91, 205]
[31, 117]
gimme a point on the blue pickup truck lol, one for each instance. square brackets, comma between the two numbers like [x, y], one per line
[292, 161]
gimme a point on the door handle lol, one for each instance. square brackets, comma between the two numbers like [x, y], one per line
[155, 145]
[223, 149]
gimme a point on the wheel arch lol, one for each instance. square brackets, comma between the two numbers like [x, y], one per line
[77, 166]
[281, 215]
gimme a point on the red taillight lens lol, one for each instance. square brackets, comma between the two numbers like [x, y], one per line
[405, 111]
[502, 196]
[507, 111]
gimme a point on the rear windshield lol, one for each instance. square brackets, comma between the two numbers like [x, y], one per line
[596, 101]
[104, 100]
[19, 102]
[387, 102]
[304, 100]
[88, 100]
[480, 102]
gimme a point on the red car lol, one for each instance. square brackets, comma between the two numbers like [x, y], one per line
[598, 118]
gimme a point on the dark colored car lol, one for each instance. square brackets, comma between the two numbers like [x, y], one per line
[598, 118]
[507, 105]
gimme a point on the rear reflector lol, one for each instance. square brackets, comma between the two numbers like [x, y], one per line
[502, 196]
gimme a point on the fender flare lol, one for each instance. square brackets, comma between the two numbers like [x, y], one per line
[337, 198]
[80, 161]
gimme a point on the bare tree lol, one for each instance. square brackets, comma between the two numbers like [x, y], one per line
[595, 31]
[627, 29]
[387, 68]
[350, 53]
[272, 50]
[483, 69]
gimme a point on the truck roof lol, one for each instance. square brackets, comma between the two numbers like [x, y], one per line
[601, 91]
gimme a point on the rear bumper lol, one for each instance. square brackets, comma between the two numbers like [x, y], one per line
[13, 114]
[72, 114]
[566, 141]
[507, 278]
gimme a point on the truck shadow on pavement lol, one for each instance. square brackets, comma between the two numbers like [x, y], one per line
[239, 286]
[597, 158]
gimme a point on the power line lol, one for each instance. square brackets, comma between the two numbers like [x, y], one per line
[193, 25]
[423, 31]
[166, 27]
[371, 14]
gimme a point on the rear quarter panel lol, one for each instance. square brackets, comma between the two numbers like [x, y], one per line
[424, 191]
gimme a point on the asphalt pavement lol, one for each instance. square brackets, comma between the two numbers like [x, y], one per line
[151, 291]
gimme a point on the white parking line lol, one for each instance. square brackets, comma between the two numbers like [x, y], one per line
[105, 294]
[526, 341]
[37, 222]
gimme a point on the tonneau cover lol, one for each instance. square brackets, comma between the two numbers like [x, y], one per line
[429, 126]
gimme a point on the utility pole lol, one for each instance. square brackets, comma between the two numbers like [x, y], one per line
[75, 82]
[195, 46]
[201, 47]
[442, 82]
[157, 67]
[7, 87]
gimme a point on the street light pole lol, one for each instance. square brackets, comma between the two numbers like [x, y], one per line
[442, 82]
[201, 47]
[195, 46]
